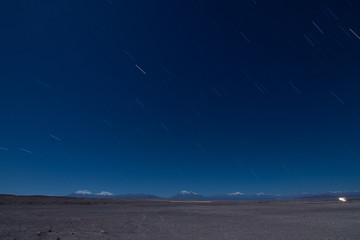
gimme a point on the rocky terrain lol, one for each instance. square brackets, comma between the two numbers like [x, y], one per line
[57, 218]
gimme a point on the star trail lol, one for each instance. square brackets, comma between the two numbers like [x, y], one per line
[160, 96]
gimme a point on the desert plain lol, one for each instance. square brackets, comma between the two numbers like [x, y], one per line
[61, 218]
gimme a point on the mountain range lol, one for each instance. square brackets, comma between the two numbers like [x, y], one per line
[190, 195]
[104, 194]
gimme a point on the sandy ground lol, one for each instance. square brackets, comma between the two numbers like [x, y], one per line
[66, 218]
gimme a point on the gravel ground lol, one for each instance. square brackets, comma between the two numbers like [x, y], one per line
[43, 218]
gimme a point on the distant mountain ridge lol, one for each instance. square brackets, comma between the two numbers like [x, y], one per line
[104, 194]
[236, 196]
[188, 195]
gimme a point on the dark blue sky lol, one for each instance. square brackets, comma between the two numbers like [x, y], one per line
[161, 96]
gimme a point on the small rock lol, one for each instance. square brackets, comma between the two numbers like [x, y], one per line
[49, 230]
[103, 232]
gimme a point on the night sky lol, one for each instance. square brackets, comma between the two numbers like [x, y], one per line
[160, 96]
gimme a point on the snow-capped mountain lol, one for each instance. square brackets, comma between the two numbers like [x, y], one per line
[105, 194]
[235, 194]
[188, 195]
[83, 192]
[88, 194]
[229, 196]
